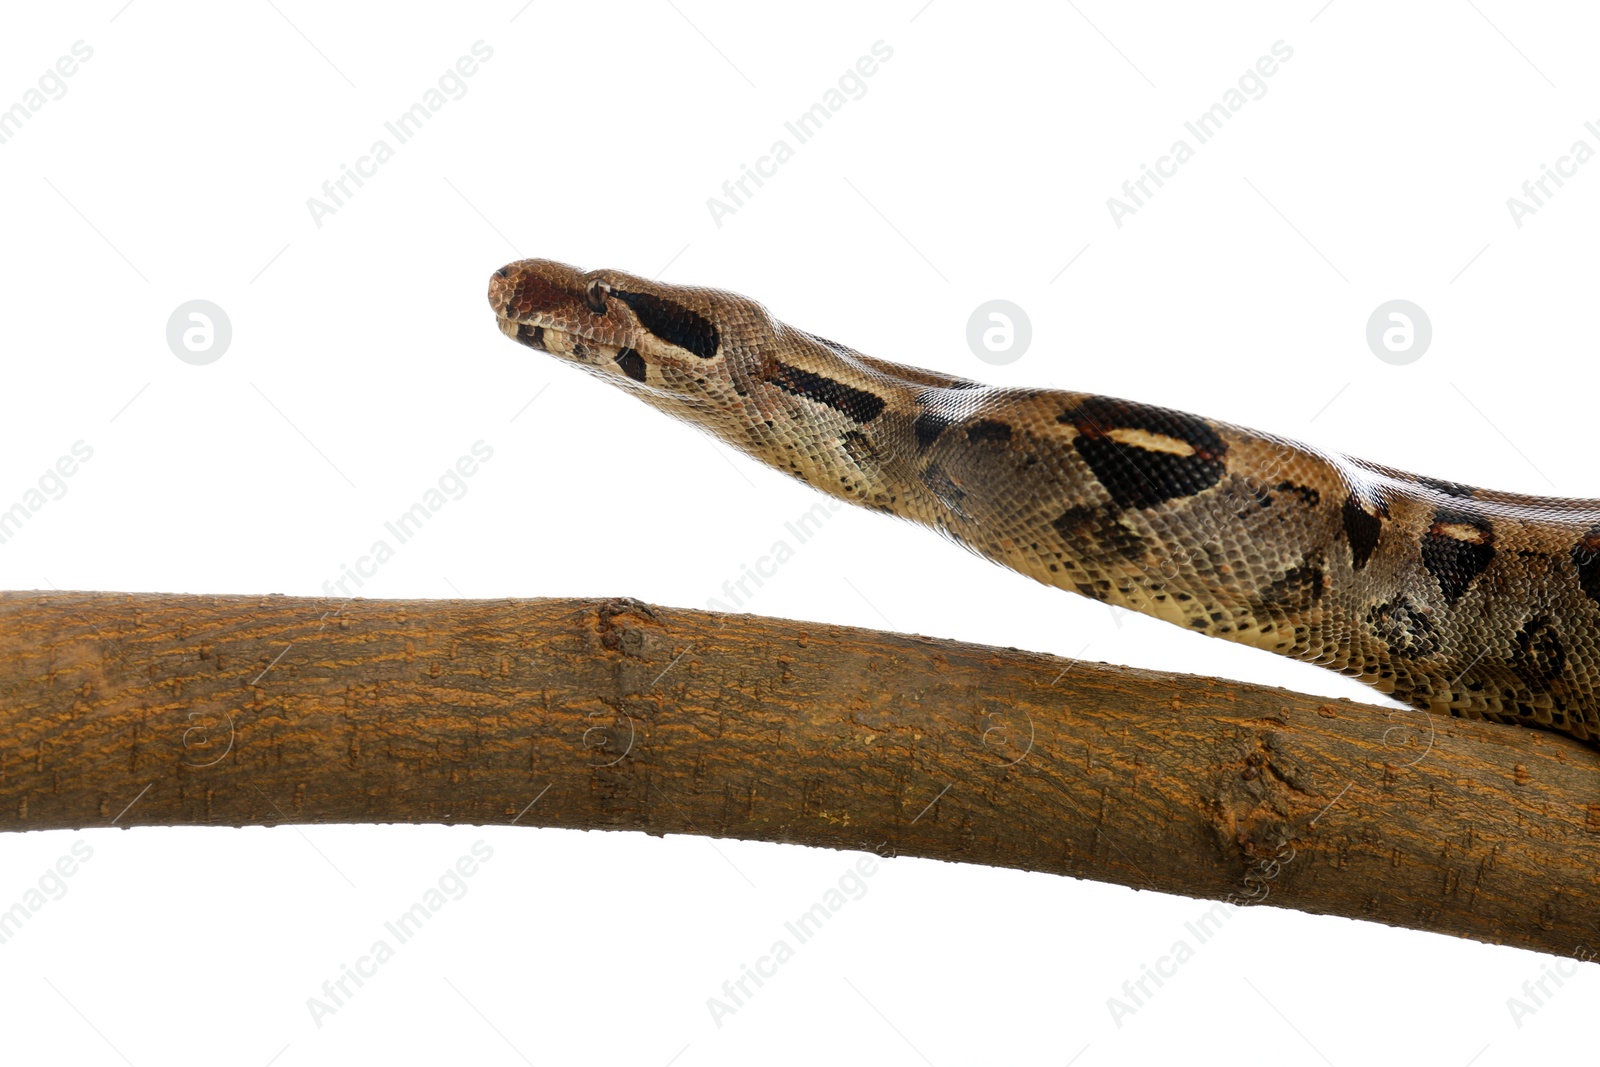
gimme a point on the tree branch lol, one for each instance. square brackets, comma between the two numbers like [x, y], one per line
[130, 710]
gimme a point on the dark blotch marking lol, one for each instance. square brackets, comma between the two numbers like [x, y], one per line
[858, 404]
[1362, 529]
[1452, 561]
[1439, 485]
[1141, 477]
[1405, 631]
[989, 431]
[1539, 656]
[928, 427]
[532, 336]
[1306, 493]
[1259, 496]
[1586, 557]
[673, 323]
[1095, 527]
[1300, 587]
[632, 364]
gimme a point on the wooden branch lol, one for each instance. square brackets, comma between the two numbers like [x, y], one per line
[130, 710]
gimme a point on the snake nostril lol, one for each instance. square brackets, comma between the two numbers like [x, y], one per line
[503, 272]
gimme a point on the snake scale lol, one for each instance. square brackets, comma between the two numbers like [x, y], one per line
[1453, 599]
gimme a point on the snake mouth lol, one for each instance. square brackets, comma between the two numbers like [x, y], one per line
[578, 346]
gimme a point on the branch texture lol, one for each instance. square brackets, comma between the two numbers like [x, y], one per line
[129, 710]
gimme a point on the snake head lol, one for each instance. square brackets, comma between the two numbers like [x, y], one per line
[721, 363]
[670, 344]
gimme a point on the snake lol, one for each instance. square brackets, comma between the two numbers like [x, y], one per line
[1452, 599]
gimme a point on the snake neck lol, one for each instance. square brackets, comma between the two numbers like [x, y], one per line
[848, 424]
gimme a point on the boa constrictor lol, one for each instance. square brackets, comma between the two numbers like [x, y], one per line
[1453, 599]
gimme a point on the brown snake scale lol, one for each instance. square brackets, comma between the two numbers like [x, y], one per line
[1455, 600]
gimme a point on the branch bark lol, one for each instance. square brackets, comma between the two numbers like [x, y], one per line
[155, 710]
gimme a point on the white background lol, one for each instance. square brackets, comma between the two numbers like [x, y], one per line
[365, 360]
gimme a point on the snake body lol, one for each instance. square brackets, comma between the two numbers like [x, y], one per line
[1453, 599]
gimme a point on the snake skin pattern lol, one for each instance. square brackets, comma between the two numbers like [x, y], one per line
[1453, 599]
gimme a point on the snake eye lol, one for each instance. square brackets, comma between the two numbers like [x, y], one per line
[595, 296]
